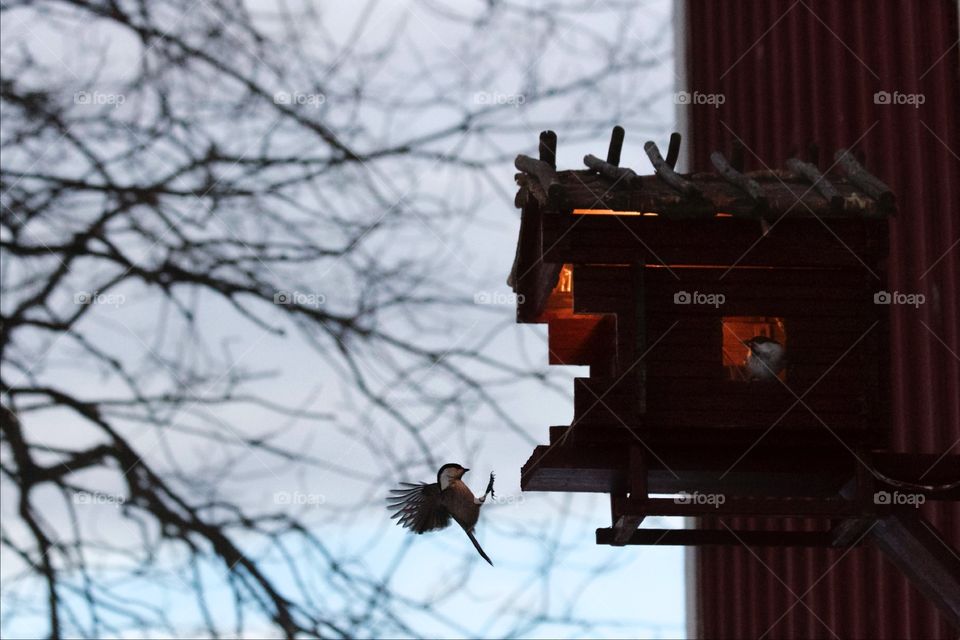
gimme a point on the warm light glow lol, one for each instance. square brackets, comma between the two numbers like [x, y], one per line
[711, 266]
[609, 212]
[739, 329]
[565, 281]
[646, 214]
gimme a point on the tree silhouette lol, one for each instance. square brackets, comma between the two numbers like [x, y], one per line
[182, 180]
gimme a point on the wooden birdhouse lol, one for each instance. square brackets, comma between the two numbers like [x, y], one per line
[669, 287]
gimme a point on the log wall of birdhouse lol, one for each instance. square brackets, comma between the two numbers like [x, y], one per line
[792, 242]
[668, 372]
[836, 367]
[658, 368]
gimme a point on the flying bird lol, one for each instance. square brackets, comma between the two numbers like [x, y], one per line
[766, 360]
[425, 506]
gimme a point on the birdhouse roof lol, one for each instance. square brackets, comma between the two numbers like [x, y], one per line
[798, 216]
[799, 189]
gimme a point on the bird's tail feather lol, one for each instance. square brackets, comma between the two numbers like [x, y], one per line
[479, 548]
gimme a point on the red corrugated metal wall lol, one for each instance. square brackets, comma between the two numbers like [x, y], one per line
[799, 71]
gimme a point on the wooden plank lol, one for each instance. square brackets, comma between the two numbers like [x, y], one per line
[719, 504]
[546, 174]
[798, 417]
[704, 537]
[773, 404]
[710, 354]
[849, 531]
[660, 439]
[689, 327]
[580, 340]
[810, 468]
[629, 512]
[812, 174]
[787, 193]
[621, 240]
[844, 371]
[863, 179]
[665, 172]
[639, 331]
[742, 182]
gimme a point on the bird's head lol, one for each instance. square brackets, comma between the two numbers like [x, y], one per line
[448, 473]
[764, 346]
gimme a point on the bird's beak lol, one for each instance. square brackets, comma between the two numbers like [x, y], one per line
[465, 470]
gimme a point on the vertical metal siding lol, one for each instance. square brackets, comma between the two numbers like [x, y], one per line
[799, 80]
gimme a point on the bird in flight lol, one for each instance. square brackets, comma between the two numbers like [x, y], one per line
[425, 506]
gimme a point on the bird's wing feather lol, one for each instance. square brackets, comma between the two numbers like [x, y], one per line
[418, 507]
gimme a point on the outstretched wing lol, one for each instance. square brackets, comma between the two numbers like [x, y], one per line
[418, 507]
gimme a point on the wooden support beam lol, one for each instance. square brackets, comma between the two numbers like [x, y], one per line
[850, 531]
[701, 461]
[545, 174]
[623, 528]
[860, 491]
[870, 184]
[666, 173]
[700, 504]
[924, 557]
[624, 175]
[701, 537]
[819, 181]
[748, 185]
[626, 520]
[616, 146]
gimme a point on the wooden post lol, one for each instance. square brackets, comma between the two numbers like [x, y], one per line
[673, 150]
[616, 145]
[548, 148]
[626, 523]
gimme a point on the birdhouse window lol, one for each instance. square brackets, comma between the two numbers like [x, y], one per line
[737, 332]
[565, 281]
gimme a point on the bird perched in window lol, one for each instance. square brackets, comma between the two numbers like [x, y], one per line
[426, 507]
[766, 360]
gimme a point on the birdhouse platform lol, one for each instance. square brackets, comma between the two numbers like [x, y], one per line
[660, 284]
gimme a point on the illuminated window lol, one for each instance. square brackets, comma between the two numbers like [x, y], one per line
[737, 330]
[565, 281]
